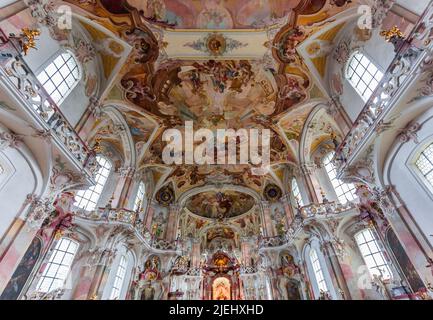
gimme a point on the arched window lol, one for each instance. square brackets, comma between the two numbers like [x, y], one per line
[425, 164]
[88, 199]
[57, 269]
[372, 254]
[60, 76]
[345, 191]
[318, 273]
[363, 75]
[119, 279]
[139, 198]
[297, 193]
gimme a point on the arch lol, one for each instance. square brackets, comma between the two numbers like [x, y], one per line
[394, 167]
[117, 285]
[304, 150]
[314, 243]
[127, 140]
[192, 192]
[25, 179]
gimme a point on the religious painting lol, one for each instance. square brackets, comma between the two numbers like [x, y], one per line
[221, 289]
[216, 205]
[404, 262]
[213, 14]
[293, 291]
[23, 271]
[148, 292]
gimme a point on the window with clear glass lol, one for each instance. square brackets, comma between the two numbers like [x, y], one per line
[60, 76]
[297, 193]
[363, 75]
[119, 279]
[372, 254]
[425, 164]
[318, 273]
[345, 191]
[58, 267]
[139, 198]
[87, 199]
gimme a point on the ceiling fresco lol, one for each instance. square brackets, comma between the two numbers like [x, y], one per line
[211, 14]
[221, 64]
[220, 204]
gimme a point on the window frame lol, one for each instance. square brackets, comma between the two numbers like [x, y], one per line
[351, 190]
[50, 61]
[117, 286]
[298, 194]
[347, 76]
[81, 198]
[138, 197]
[381, 251]
[413, 168]
[56, 248]
[421, 176]
[321, 284]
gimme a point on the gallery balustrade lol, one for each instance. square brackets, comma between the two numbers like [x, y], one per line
[131, 220]
[17, 76]
[413, 54]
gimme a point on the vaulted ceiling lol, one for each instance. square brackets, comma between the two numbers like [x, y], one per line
[221, 63]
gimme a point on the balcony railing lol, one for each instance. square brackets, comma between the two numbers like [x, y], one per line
[325, 209]
[130, 219]
[313, 211]
[400, 75]
[17, 75]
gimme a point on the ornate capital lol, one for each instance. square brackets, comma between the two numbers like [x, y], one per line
[126, 172]
[379, 11]
[410, 133]
[388, 200]
[286, 198]
[264, 205]
[95, 107]
[308, 168]
[39, 210]
[9, 140]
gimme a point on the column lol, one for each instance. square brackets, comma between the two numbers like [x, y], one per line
[172, 222]
[148, 215]
[308, 169]
[286, 201]
[121, 192]
[334, 266]
[411, 238]
[336, 110]
[195, 253]
[268, 228]
[94, 274]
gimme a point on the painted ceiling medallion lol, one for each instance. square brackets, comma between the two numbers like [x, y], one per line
[272, 192]
[165, 196]
[220, 205]
[215, 44]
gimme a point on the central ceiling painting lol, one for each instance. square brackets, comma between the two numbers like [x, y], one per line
[220, 204]
[223, 64]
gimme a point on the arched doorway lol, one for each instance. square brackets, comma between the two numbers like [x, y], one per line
[221, 289]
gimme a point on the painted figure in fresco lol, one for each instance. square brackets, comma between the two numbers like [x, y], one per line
[148, 292]
[288, 265]
[293, 291]
[23, 271]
